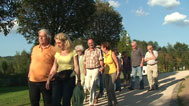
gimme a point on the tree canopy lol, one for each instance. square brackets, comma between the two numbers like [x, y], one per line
[105, 24]
[68, 16]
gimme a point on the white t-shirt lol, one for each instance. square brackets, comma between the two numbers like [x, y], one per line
[149, 55]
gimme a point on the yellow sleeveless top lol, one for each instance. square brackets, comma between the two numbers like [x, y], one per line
[110, 66]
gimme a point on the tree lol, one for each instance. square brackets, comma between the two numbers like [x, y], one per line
[105, 24]
[125, 43]
[7, 15]
[21, 62]
[68, 16]
[4, 66]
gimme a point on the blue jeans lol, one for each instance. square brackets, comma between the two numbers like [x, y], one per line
[35, 89]
[136, 70]
[101, 85]
[63, 90]
[118, 83]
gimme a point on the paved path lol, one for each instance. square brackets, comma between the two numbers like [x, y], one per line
[168, 84]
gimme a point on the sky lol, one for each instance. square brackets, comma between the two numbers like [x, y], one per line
[163, 21]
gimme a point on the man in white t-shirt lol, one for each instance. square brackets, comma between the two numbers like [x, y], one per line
[152, 68]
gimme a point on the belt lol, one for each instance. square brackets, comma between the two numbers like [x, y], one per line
[152, 64]
[93, 68]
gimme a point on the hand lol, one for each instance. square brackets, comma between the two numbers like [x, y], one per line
[101, 70]
[141, 65]
[85, 72]
[47, 85]
[117, 75]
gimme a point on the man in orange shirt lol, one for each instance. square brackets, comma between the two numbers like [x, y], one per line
[42, 58]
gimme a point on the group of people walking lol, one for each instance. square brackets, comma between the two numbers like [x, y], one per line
[56, 70]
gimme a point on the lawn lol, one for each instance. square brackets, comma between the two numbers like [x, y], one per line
[14, 96]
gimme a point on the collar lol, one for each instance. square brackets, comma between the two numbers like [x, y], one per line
[44, 47]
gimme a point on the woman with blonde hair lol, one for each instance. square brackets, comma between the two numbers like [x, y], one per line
[66, 61]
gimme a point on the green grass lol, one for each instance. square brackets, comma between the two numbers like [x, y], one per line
[14, 96]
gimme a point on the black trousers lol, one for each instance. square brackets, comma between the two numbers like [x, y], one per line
[62, 91]
[35, 90]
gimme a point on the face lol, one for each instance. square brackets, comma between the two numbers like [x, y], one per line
[133, 45]
[43, 40]
[149, 48]
[103, 48]
[79, 52]
[59, 43]
[91, 43]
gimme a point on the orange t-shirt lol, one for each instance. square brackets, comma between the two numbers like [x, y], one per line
[41, 63]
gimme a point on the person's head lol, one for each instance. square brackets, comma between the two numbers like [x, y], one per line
[105, 46]
[124, 54]
[44, 37]
[149, 47]
[79, 49]
[134, 45]
[91, 43]
[63, 42]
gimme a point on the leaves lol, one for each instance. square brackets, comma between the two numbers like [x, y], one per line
[7, 15]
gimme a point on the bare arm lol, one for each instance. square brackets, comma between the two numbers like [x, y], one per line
[142, 62]
[116, 62]
[76, 66]
[52, 73]
[151, 58]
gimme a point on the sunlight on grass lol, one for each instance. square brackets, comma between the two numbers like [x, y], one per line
[14, 96]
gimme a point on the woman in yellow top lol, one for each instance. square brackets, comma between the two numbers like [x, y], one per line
[111, 69]
[66, 61]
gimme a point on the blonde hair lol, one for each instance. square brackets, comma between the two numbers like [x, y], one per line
[67, 42]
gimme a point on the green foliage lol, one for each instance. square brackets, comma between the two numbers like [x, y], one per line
[4, 66]
[105, 24]
[21, 62]
[68, 16]
[125, 43]
[7, 15]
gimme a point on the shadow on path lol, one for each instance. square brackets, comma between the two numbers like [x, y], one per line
[143, 97]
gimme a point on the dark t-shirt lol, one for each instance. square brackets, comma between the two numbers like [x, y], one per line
[136, 57]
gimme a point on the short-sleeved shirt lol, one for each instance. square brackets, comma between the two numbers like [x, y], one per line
[41, 63]
[65, 62]
[136, 57]
[149, 55]
[92, 58]
[110, 66]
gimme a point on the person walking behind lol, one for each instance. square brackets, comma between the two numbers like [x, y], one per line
[80, 52]
[137, 60]
[100, 81]
[93, 64]
[152, 68]
[126, 63]
[111, 68]
[42, 58]
[118, 80]
[66, 62]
